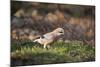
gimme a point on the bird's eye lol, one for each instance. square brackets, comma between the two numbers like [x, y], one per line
[60, 32]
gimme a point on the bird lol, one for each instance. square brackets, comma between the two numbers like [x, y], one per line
[50, 37]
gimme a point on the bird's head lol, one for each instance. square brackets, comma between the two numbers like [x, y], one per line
[59, 31]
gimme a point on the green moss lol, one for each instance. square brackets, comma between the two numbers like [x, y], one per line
[59, 52]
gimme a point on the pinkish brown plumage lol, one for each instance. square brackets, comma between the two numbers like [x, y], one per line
[50, 37]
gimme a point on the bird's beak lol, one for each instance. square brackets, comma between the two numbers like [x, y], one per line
[63, 33]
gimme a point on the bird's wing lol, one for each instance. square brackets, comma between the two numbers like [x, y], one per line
[48, 36]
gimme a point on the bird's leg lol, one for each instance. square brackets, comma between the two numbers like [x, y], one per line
[44, 45]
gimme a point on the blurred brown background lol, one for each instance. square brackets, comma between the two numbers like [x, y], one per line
[31, 19]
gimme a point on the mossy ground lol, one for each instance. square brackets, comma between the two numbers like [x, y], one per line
[60, 52]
